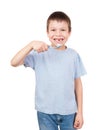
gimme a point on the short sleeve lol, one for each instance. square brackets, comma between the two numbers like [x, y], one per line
[79, 67]
[29, 60]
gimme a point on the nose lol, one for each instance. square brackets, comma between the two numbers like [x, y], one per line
[58, 32]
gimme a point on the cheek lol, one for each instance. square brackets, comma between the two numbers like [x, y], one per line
[50, 35]
[67, 35]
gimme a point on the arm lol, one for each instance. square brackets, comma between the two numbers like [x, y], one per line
[79, 98]
[38, 46]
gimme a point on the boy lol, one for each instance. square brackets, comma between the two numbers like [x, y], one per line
[58, 98]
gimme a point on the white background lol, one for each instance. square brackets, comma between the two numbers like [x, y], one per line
[22, 21]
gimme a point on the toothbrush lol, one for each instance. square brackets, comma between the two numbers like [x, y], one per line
[58, 45]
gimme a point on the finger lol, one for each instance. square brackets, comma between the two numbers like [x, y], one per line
[39, 50]
[76, 124]
[44, 48]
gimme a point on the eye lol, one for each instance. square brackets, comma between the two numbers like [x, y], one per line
[63, 30]
[52, 30]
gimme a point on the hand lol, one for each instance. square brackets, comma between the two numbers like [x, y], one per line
[78, 121]
[39, 46]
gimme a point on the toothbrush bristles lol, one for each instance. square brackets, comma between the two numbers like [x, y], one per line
[58, 45]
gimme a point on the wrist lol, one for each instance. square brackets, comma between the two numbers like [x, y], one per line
[80, 112]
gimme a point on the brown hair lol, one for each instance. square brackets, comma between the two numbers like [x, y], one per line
[59, 16]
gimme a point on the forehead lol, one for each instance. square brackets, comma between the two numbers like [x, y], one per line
[55, 23]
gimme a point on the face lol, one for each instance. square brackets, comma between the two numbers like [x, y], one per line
[58, 32]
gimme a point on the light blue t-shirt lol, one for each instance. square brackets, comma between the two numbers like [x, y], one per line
[55, 71]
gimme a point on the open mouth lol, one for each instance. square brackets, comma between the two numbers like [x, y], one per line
[58, 40]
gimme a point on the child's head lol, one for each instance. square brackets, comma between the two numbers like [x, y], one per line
[58, 28]
[59, 16]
